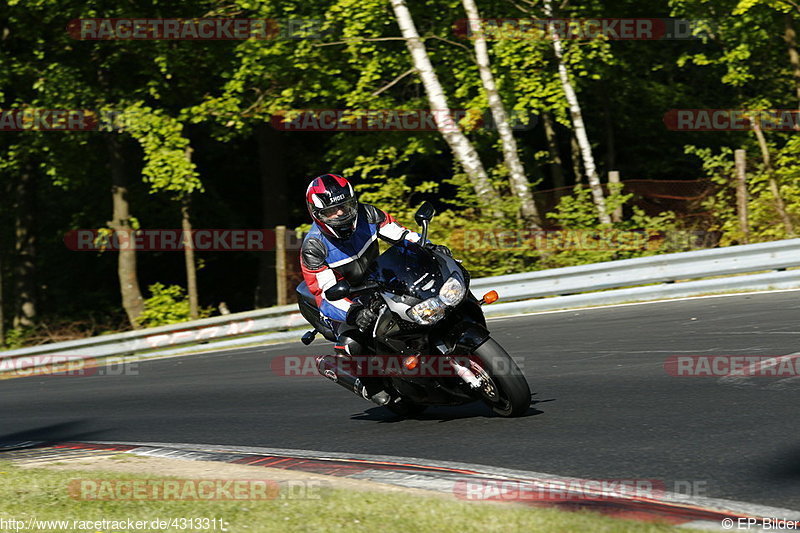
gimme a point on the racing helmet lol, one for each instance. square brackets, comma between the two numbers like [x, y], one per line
[332, 204]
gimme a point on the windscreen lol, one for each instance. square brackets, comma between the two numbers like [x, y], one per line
[408, 269]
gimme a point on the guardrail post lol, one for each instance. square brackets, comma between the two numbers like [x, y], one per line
[287, 265]
[741, 193]
[280, 263]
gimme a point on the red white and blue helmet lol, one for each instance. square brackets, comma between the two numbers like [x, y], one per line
[333, 205]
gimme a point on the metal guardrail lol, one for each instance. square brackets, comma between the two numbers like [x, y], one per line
[674, 275]
[643, 270]
[237, 325]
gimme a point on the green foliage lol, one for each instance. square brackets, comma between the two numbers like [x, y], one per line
[167, 305]
[167, 166]
[18, 337]
[377, 184]
[744, 42]
[459, 224]
[741, 42]
[639, 235]
[720, 169]
[576, 211]
[763, 219]
[490, 246]
[787, 173]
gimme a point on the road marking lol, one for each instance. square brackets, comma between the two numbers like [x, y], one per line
[743, 377]
[649, 302]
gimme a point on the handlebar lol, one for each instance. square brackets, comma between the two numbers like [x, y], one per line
[369, 285]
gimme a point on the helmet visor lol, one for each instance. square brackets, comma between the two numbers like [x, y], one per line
[340, 214]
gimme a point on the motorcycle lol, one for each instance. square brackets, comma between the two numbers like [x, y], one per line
[426, 316]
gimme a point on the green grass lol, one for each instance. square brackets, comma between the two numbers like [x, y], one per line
[43, 494]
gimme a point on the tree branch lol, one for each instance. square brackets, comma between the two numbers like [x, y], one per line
[394, 81]
[449, 42]
[362, 40]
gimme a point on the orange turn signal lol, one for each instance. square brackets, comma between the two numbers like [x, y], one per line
[411, 362]
[490, 297]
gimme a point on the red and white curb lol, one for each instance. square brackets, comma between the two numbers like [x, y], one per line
[440, 476]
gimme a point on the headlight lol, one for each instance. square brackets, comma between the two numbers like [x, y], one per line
[452, 292]
[427, 312]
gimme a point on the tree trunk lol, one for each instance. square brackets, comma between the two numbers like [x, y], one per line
[132, 300]
[274, 206]
[188, 249]
[517, 178]
[461, 147]
[556, 165]
[2, 316]
[577, 122]
[791, 41]
[25, 296]
[773, 184]
[188, 255]
[575, 155]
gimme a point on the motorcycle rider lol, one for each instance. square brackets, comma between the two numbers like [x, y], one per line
[341, 244]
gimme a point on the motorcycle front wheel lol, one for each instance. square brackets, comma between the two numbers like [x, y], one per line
[505, 388]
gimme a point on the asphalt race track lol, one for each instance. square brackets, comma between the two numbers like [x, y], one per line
[604, 406]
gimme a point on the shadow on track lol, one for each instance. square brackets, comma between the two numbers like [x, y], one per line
[61, 432]
[442, 413]
[785, 467]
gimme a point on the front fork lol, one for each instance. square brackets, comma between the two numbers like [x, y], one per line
[464, 339]
[466, 374]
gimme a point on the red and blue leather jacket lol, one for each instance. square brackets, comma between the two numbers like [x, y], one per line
[324, 260]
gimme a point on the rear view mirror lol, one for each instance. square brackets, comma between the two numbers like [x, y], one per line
[425, 213]
[339, 291]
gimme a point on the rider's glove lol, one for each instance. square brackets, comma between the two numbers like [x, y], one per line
[361, 317]
[441, 248]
